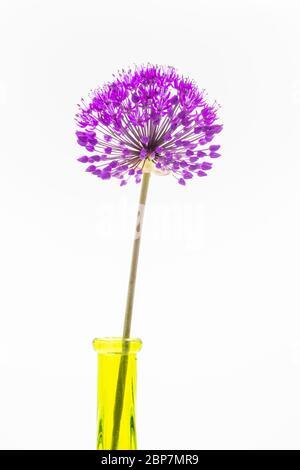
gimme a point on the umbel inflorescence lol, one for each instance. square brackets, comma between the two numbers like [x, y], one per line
[148, 118]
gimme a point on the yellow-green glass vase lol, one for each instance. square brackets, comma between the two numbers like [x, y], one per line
[116, 392]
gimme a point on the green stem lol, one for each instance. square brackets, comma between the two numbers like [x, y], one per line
[135, 255]
[119, 397]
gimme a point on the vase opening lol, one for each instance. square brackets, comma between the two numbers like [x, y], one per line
[117, 345]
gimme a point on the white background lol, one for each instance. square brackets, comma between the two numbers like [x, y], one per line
[217, 303]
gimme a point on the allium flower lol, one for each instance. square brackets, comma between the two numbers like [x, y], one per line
[148, 118]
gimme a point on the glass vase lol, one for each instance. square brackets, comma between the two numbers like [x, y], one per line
[116, 392]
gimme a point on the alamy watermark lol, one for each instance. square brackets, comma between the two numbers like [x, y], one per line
[160, 222]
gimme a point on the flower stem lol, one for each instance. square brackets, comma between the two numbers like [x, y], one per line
[135, 255]
[119, 397]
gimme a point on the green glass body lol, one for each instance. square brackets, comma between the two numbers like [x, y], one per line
[116, 393]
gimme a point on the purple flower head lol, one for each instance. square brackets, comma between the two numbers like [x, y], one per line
[149, 117]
